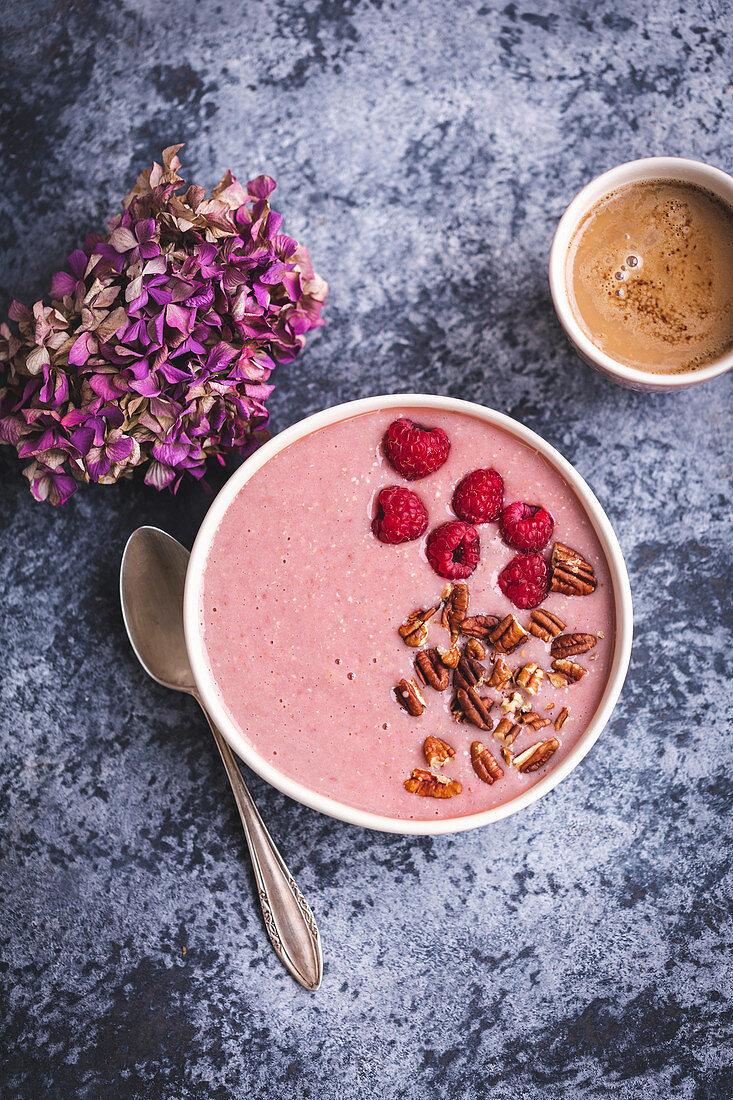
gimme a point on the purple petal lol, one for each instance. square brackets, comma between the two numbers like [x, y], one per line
[221, 354]
[80, 350]
[274, 273]
[120, 449]
[77, 261]
[82, 439]
[178, 317]
[148, 387]
[99, 465]
[62, 284]
[145, 230]
[173, 374]
[261, 187]
[102, 384]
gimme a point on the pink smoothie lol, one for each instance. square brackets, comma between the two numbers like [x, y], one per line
[301, 604]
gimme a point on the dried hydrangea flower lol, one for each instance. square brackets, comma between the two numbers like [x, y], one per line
[158, 343]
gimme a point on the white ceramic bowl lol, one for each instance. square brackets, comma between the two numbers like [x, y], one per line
[206, 686]
[651, 168]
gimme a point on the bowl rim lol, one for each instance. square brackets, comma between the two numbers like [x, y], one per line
[331, 806]
[684, 169]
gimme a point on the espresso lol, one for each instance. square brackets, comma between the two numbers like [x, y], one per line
[649, 273]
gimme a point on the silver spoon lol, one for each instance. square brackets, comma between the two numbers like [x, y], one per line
[152, 576]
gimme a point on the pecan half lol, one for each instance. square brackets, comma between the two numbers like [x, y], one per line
[469, 673]
[570, 573]
[536, 721]
[508, 634]
[479, 626]
[437, 751]
[475, 649]
[536, 755]
[431, 670]
[455, 610]
[530, 676]
[449, 657]
[568, 645]
[410, 698]
[507, 731]
[570, 669]
[414, 630]
[486, 767]
[562, 718]
[431, 786]
[501, 674]
[545, 625]
[468, 706]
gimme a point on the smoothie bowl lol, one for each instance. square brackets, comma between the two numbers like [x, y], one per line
[410, 613]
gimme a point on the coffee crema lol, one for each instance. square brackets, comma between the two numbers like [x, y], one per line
[649, 274]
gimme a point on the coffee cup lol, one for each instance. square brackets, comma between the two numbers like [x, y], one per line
[649, 170]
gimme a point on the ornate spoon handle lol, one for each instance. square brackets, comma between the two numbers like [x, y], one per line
[290, 924]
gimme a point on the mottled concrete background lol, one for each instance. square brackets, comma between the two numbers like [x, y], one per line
[424, 151]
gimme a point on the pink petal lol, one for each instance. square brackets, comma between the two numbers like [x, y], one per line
[62, 284]
[80, 350]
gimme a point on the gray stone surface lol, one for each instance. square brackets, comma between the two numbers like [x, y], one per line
[424, 151]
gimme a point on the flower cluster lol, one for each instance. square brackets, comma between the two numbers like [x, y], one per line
[159, 339]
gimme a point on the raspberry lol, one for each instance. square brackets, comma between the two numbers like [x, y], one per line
[453, 550]
[527, 526]
[415, 451]
[401, 516]
[478, 497]
[524, 580]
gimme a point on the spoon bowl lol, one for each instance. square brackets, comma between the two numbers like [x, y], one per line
[152, 578]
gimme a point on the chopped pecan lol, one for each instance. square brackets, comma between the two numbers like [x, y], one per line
[449, 657]
[507, 731]
[475, 649]
[514, 702]
[508, 755]
[536, 755]
[486, 767]
[410, 698]
[530, 676]
[569, 669]
[431, 786]
[479, 626]
[568, 645]
[508, 634]
[455, 610]
[570, 573]
[414, 631]
[558, 679]
[545, 625]
[562, 718]
[536, 721]
[437, 751]
[468, 706]
[431, 670]
[501, 674]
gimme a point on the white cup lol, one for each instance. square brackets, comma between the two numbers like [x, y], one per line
[636, 171]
